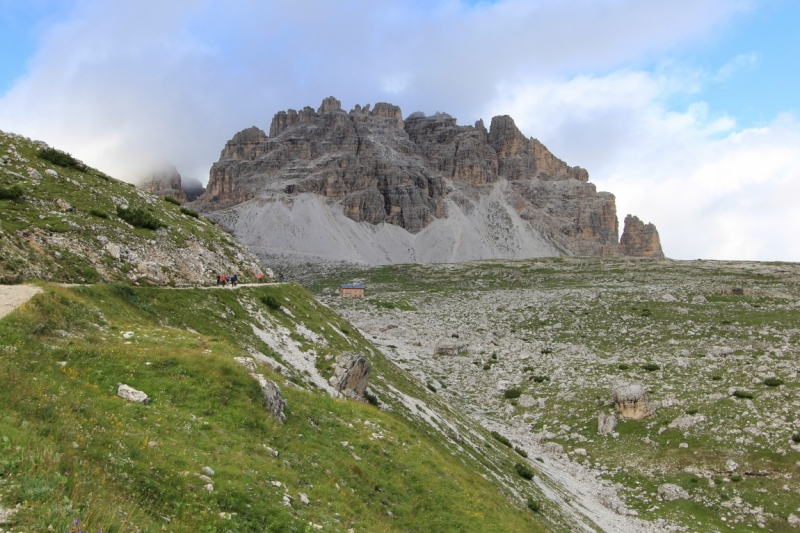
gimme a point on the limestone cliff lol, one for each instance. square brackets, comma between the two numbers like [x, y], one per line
[640, 239]
[460, 192]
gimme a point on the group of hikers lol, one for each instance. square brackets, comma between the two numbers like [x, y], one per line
[223, 279]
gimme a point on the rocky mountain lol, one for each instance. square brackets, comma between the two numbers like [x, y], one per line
[368, 186]
[168, 182]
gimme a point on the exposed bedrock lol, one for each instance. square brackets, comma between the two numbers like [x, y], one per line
[377, 168]
[640, 239]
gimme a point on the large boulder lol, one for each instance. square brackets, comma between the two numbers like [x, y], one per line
[271, 396]
[606, 424]
[669, 492]
[630, 399]
[350, 375]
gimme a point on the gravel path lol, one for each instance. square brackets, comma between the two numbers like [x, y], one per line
[13, 296]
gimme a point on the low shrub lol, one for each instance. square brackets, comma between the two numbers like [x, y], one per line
[521, 452]
[651, 367]
[540, 459]
[189, 212]
[487, 367]
[172, 200]
[371, 398]
[691, 411]
[547, 351]
[796, 437]
[524, 471]
[534, 506]
[647, 313]
[270, 301]
[736, 478]
[11, 193]
[494, 356]
[98, 213]
[139, 218]
[716, 378]
[623, 366]
[743, 394]
[540, 379]
[773, 382]
[62, 159]
[454, 335]
[512, 393]
[501, 439]
[431, 387]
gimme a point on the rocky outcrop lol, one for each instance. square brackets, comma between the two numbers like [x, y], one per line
[351, 375]
[373, 167]
[271, 396]
[640, 239]
[630, 399]
[165, 182]
[131, 395]
[606, 424]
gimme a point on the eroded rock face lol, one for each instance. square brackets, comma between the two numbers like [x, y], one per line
[378, 168]
[640, 239]
[630, 399]
[164, 182]
[350, 375]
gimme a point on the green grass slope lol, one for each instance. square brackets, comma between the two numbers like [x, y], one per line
[60, 221]
[71, 450]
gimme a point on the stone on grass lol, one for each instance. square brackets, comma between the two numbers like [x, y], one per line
[699, 299]
[207, 471]
[304, 499]
[6, 515]
[630, 399]
[685, 421]
[670, 492]
[132, 395]
[606, 424]
[272, 397]
[731, 466]
[247, 362]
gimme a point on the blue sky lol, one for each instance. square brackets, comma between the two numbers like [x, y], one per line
[686, 109]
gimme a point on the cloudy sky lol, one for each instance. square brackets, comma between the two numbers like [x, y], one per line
[687, 110]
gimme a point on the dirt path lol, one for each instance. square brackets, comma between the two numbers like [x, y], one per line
[13, 296]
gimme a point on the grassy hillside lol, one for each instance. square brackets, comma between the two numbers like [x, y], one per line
[71, 450]
[61, 220]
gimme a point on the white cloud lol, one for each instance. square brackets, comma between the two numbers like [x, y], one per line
[712, 189]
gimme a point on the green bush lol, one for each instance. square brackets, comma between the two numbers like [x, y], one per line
[512, 393]
[534, 505]
[773, 382]
[540, 379]
[547, 351]
[98, 213]
[172, 200]
[139, 218]
[521, 452]
[494, 356]
[743, 394]
[371, 398]
[487, 367]
[270, 301]
[540, 459]
[431, 387]
[651, 367]
[62, 159]
[623, 366]
[454, 335]
[11, 193]
[646, 313]
[189, 212]
[736, 478]
[796, 437]
[501, 439]
[524, 470]
[716, 378]
[691, 411]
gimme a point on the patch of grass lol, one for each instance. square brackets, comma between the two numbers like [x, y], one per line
[736, 478]
[743, 394]
[172, 200]
[623, 366]
[127, 294]
[691, 412]
[62, 159]
[651, 367]
[521, 452]
[270, 301]
[99, 213]
[189, 212]
[501, 439]
[139, 218]
[716, 377]
[773, 382]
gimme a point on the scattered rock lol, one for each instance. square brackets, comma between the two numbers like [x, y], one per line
[350, 375]
[700, 299]
[630, 399]
[721, 351]
[685, 421]
[132, 395]
[731, 466]
[271, 395]
[606, 424]
[7, 515]
[553, 448]
[670, 492]
[63, 205]
[113, 250]
[209, 487]
[304, 499]
[52, 173]
[207, 471]
[450, 349]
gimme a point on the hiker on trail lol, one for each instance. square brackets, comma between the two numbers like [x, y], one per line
[260, 277]
[234, 280]
[280, 277]
[224, 279]
[218, 279]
